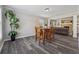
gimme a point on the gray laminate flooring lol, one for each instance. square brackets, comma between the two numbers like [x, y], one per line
[60, 45]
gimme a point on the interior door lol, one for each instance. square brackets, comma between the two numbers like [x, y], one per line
[53, 23]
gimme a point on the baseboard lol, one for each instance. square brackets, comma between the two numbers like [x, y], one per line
[25, 36]
[21, 37]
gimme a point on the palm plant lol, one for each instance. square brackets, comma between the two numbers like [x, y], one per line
[13, 23]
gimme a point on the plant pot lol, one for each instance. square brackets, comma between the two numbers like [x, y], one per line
[12, 38]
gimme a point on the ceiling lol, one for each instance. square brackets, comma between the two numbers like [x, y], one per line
[39, 10]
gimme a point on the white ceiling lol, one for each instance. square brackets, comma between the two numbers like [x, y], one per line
[38, 10]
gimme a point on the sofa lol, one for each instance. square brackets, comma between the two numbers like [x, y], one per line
[62, 30]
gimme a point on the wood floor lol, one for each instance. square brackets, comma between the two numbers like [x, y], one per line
[60, 45]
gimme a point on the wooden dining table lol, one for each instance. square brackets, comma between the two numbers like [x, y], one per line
[45, 34]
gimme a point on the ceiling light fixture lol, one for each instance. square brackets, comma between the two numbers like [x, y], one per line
[46, 9]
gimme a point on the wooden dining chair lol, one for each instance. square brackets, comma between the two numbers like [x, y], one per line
[50, 34]
[39, 34]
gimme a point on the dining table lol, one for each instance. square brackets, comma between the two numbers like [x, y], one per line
[47, 34]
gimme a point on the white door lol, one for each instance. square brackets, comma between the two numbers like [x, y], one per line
[53, 23]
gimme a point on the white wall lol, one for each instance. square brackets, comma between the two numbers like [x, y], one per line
[27, 25]
[1, 35]
[0, 24]
[75, 26]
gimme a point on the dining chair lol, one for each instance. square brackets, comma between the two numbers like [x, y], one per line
[49, 34]
[39, 34]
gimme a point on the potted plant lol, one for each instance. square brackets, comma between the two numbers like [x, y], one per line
[13, 24]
